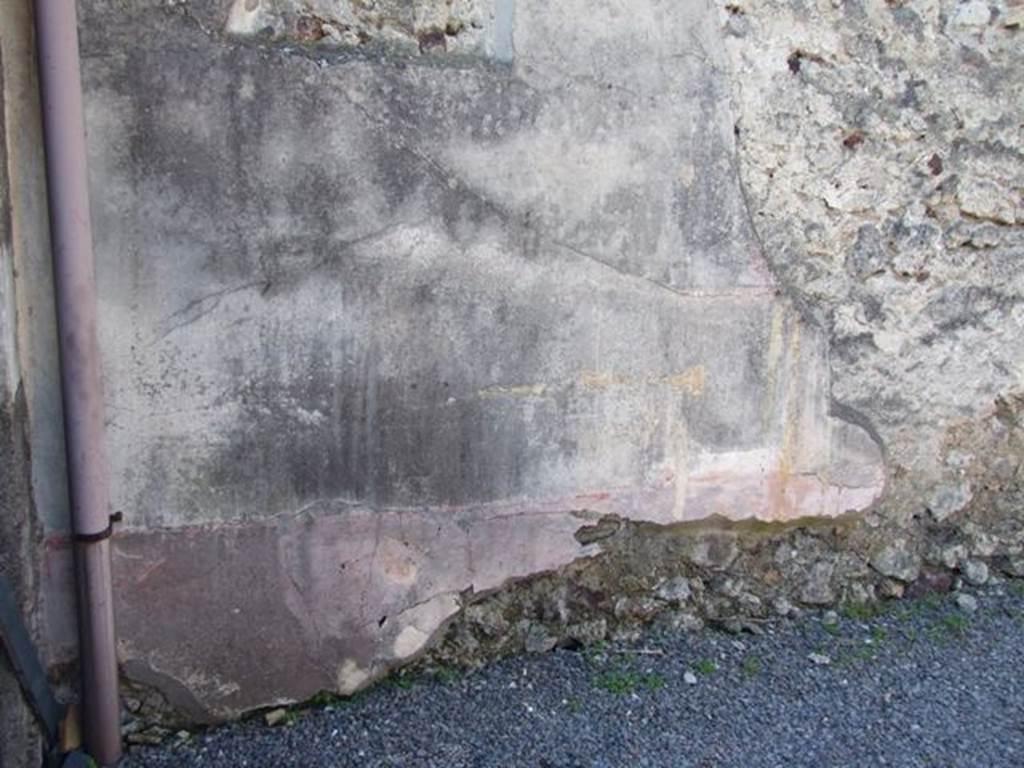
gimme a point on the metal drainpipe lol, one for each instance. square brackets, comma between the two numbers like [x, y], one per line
[75, 287]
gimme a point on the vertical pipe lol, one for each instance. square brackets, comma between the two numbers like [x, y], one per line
[75, 287]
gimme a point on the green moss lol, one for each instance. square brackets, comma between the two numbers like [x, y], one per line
[705, 667]
[751, 667]
[652, 682]
[618, 681]
[861, 610]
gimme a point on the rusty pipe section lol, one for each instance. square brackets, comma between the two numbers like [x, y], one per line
[75, 288]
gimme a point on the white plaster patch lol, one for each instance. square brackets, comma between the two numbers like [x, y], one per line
[351, 677]
[409, 641]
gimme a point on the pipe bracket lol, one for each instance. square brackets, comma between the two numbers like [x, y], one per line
[90, 538]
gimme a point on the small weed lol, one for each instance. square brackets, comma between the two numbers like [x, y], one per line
[1017, 589]
[751, 667]
[405, 682]
[617, 681]
[948, 627]
[831, 629]
[931, 601]
[447, 675]
[863, 655]
[575, 705]
[705, 667]
[956, 624]
[860, 610]
[325, 699]
[878, 634]
[652, 682]
[594, 654]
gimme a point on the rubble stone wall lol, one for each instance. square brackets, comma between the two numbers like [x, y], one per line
[458, 328]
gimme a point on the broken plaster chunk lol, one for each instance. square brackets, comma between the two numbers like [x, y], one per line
[420, 623]
[409, 641]
[427, 26]
[351, 677]
[275, 717]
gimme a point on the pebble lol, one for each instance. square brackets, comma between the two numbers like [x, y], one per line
[975, 572]
[966, 603]
[275, 716]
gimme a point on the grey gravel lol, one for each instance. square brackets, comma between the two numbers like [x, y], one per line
[923, 684]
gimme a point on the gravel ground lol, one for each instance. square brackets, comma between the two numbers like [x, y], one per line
[923, 684]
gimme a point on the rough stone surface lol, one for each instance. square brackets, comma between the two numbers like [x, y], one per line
[432, 27]
[818, 588]
[896, 561]
[966, 603]
[456, 328]
[880, 148]
[975, 572]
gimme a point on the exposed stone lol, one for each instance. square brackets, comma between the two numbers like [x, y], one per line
[602, 529]
[637, 607]
[689, 678]
[152, 736]
[869, 255]
[817, 590]
[750, 603]
[674, 591]
[782, 606]
[947, 500]
[426, 27]
[859, 592]
[830, 618]
[931, 581]
[487, 618]
[537, 640]
[679, 621]
[954, 555]
[820, 659]
[714, 550]
[588, 632]
[689, 622]
[1014, 566]
[975, 572]
[896, 561]
[966, 603]
[891, 588]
